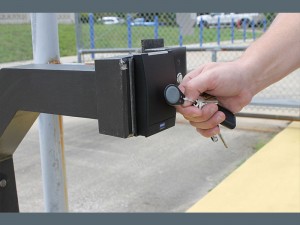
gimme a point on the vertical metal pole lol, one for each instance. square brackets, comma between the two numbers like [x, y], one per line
[244, 30]
[253, 30]
[45, 50]
[214, 56]
[180, 37]
[129, 35]
[232, 30]
[8, 189]
[78, 36]
[201, 32]
[92, 33]
[218, 31]
[265, 25]
[156, 24]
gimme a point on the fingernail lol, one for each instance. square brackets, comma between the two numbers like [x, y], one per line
[220, 119]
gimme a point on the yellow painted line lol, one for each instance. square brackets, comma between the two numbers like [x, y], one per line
[269, 181]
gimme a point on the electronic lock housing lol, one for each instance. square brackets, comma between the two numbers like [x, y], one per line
[131, 90]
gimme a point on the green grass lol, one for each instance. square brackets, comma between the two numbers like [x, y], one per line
[16, 43]
[262, 142]
[115, 36]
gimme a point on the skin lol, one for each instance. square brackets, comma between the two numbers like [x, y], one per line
[273, 56]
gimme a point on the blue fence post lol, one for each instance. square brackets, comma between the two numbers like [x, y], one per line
[244, 30]
[180, 37]
[129, 34]
[218, 31]
[253, 30]
[265, 24]
[232, 30]
[92, 33]
[156, 27]
[201, 32]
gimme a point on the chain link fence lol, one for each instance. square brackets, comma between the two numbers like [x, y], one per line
[214, 37]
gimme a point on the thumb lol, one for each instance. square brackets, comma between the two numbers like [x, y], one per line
[194, 88]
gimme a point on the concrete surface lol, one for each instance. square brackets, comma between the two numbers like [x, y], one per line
[267, 182]
[167, 172]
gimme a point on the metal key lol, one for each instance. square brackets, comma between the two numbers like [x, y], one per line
[174, 96]
[199, 103]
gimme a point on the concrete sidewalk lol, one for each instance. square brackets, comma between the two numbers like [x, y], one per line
[167, 172]
[267, 182]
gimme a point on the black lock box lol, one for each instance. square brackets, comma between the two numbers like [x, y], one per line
[130, 92]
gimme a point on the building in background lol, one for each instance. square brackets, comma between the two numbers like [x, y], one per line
[19, 18]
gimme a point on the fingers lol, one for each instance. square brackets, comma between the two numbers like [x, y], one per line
[192, 93]
[212, 122]
[193, 112]
[196, 86]
[209, 133]
[192, 74]
[206, 120]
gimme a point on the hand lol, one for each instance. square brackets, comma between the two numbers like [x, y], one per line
[227, 81]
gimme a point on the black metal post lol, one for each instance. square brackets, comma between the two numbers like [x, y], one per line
[8, 189]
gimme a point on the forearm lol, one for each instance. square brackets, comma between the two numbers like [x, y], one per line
[275, 54]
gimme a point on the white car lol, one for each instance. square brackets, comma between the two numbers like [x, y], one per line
[210, 20]
[111, 20]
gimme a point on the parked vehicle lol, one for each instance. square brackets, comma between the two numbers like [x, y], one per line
[210, 20]
[142, 22]
[108, 20]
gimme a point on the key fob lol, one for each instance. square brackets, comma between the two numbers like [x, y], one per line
[174, 96]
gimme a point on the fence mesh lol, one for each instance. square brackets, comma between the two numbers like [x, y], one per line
[116, 33]
[126, 30]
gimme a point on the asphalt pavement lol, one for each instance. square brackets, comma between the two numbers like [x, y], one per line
[167, 172]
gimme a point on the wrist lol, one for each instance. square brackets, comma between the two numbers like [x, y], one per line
[249, 72]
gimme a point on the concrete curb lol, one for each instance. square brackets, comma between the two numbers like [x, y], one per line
[269, 181]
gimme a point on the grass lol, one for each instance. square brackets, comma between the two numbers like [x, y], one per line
[116, 36]
[16, 42]
[262, 142]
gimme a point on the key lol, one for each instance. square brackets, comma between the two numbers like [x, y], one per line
[200, 104]
[222, 139]
[174, 96]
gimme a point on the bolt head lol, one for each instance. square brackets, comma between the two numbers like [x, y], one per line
[179, 78]
[3, 183]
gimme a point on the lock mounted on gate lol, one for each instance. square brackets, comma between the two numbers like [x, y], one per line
[131, 90]
[125, 93]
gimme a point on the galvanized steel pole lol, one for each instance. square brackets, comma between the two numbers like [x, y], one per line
[46, 50]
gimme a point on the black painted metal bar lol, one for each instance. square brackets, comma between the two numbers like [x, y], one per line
[8, 189]
[52, 88]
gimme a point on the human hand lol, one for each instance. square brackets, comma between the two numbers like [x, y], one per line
[227, 81]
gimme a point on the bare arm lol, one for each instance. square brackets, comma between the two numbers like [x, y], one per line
[267, 60]
[275, 54]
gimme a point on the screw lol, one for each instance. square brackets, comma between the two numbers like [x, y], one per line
[3, 183]
[179, 78]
